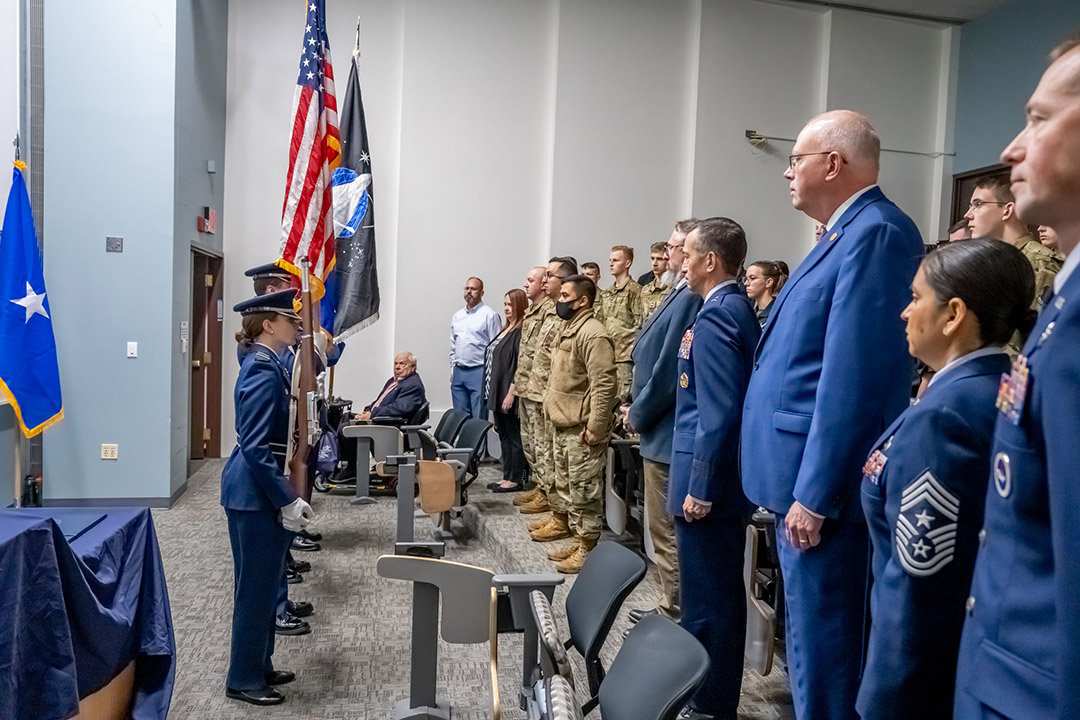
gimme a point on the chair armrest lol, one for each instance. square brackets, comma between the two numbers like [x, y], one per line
[461, 456]
[615, 440]
[415, 427]
[519, 587]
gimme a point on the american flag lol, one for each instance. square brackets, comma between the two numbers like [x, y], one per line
[307, 223]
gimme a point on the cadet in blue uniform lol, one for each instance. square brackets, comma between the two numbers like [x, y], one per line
[924, 484]
[705, 495]
[831, 372]
[1020, 649]
[266, 279]
[260, 503]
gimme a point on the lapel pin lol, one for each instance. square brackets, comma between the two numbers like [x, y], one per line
[832, 237]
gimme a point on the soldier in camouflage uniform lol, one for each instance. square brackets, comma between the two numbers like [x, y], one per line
[578, 403]
[530, 328]
[621, 312]
[992, 214]
[541, 499]
[653, 292]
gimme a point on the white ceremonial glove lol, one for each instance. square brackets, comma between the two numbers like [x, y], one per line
[296, 515]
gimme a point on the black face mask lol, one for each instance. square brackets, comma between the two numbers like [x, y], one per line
[565, 310]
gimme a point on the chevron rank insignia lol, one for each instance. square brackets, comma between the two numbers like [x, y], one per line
[926, 526]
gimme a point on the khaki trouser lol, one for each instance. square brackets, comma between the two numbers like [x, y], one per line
[662, 531]
[579, 480]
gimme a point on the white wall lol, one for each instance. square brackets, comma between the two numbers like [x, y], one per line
[9, 125]
[505, 132]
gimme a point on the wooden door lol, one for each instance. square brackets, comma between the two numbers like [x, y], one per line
[205, 355]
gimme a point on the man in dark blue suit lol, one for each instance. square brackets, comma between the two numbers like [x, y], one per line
[652, 415]
[401, 396]
[1020, 649]
[715, 356]
[832, 371]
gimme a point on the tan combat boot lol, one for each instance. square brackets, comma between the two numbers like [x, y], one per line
[556, 529]
[564, 552]
[537, 505]
[572, 564]
[537, 524]
[525, 497]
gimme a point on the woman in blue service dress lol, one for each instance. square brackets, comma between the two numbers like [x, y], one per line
[261, 505]
[924, 483]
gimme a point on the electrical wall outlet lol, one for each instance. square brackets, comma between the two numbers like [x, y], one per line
[110, 451]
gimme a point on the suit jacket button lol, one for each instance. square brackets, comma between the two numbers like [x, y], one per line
[755, 364]
[970, 604]
[982, 536]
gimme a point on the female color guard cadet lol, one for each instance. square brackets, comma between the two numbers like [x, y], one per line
[261, 505]
[924, 484]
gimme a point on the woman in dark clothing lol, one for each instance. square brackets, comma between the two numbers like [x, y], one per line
[763, 282]
[500, 395]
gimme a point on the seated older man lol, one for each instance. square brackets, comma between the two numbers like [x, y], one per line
[401, 396]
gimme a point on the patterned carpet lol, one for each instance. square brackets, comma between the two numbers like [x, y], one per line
[355, 662]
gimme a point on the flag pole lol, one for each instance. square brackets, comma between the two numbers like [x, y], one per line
[356, 50]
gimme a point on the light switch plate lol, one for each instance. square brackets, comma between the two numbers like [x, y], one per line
[133, 349]
[114, 244]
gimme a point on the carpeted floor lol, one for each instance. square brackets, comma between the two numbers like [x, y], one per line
[355, 663]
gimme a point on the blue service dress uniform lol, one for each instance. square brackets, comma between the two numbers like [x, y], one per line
[253, 490]
[831, 372]
[923, 492]
[1020, 650]
[715, 362]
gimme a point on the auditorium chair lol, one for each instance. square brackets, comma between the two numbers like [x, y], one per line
[475, 607]
[760, 617]
[656, 671]
[608, 576]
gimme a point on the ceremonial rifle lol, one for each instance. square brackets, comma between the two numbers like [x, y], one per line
[306, 413]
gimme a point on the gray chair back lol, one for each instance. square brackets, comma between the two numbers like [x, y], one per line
[608, 576]
[658, 669]
[449, 425]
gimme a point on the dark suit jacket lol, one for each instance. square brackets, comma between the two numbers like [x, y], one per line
[924, 508]
[716, 357]
[403, 400]
[832, 368]
[656, 377]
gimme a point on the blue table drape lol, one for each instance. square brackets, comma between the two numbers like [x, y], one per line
[72, 616]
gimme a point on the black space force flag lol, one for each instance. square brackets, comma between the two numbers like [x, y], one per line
[352, 288]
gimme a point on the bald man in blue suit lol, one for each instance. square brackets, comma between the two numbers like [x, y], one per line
[830, 374]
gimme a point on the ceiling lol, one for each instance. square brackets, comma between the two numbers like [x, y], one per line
[949, 10]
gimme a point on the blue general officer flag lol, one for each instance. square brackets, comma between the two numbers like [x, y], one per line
[29, 374]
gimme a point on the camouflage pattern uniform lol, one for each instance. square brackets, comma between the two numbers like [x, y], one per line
[652, 294]
[1046, 265]
[529, 407]
[550, 327]
[622, 313]
[580, 395]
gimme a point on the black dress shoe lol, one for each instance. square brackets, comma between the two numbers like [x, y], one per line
[279, 677]
[300, 567]
[636, 614]
[312, 536]
[262, 696]
[305, 545]
[299, 609]
[291, 625]
[513, 488]
[292, 577]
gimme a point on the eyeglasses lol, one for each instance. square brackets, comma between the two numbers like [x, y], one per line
[793, 160]
[976, 204]
[673, 246]
[553, 275]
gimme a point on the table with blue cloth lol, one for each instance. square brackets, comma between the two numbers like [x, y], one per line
[74, 615]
